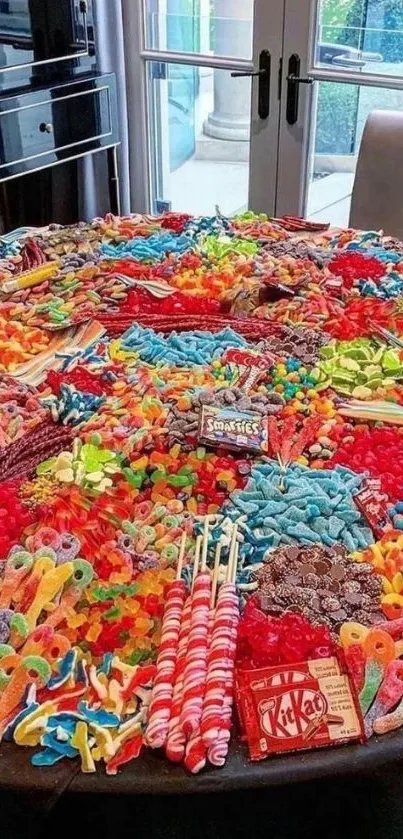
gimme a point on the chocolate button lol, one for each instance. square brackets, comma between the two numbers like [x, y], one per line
[292, 580]
[353, 597]
[337, 571]
[292, 552]
[307, 569]
[339, 615]
[321, 567]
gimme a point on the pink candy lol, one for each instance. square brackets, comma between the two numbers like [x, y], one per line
[196, 657]
[162, 693]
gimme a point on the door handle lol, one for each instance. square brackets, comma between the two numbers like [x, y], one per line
[293, 82]
[263, 74]
[298, 80]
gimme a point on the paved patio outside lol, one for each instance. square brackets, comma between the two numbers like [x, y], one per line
[199, 185]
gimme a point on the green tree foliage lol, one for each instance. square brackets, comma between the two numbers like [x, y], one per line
[336, 119]
[333, 15]
[375, 26]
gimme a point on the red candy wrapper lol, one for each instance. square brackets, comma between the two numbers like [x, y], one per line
[289, 708]
[251, 366]
[372, 503]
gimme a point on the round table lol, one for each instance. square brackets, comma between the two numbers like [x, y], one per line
[152, 774]
[351, 792]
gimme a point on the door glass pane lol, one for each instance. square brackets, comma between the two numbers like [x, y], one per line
[340, 113]
[200, 137]
[360, 35]
[211, 27]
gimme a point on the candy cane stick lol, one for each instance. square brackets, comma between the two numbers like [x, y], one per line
[162, 692]
[217, 753]
[196, 751]
[196, 656]
[219, 653]
[176, 740]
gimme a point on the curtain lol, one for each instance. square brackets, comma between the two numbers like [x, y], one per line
[93, 177]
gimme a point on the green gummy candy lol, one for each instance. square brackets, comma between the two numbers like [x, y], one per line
[391, 360]
[329, 351]
[4, 679]
[170, 553]
[135, 479]
[83, 573]
[129, 528]
[19, 624]
[37, 668]
[372, 370]
[178, 480]
[373, 680]
[358, 353]
[21, 559]
[45, 466]
[349, 364]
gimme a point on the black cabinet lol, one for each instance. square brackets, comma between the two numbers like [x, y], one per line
[54, 108]
[45, 39]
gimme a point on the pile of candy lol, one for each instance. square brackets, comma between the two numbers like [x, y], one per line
[360, 368]
[202, 489]
[325, 585]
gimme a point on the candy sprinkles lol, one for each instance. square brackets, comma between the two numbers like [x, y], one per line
[201, 497]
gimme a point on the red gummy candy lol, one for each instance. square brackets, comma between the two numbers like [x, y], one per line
[14, 517]
[352, 266]
[266, 641]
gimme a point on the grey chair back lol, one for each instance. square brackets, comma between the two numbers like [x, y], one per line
[377, 198]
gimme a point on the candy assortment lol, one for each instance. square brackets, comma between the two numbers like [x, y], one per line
[202, 493]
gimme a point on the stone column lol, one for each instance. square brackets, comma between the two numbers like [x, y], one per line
[230, 119]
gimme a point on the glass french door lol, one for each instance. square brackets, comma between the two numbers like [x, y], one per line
[256, 103]
[203, 78]
[350, 62]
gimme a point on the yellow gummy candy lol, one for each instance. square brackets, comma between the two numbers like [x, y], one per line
[103, 738]
[115, 695]
[97, 683]
[94, 632]
[387, 586]
[393, 599]
[352, 633]
[29, 731]
[79, 741]
[48, 587]
[74, 620]
[397, 582]
[377, 554]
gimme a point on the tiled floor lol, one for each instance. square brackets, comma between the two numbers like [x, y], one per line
[329, 198]
[199, 186]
